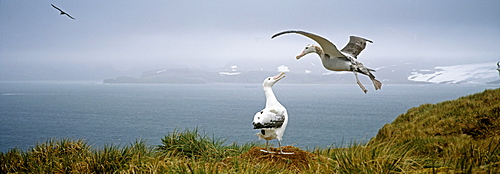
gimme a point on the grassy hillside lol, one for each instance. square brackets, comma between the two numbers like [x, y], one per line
[463, 134]
[470, 117]
[459, 136]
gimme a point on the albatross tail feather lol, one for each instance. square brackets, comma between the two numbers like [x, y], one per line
[376, 83]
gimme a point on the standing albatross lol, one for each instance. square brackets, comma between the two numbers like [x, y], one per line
[335, 60]
[62, 12]
[272, 120]
[498, 68]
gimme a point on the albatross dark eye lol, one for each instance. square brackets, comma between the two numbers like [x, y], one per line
[307, 48]
[269, 78]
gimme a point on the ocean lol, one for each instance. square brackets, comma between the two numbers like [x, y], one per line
[320, 115]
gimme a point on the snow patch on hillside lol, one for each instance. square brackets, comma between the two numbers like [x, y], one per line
[480, 73]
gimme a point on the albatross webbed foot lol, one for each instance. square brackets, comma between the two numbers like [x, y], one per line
[281, 149]
[267, 148]
[266, 151]
[359, 83]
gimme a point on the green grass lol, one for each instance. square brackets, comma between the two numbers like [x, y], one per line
[190, 144]
[459, 136]
[462, 134]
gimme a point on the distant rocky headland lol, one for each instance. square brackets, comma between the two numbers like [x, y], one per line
[195, 76]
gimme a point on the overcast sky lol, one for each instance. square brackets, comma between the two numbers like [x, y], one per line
[145, 35]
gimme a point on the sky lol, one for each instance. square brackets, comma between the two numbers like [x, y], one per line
[129, 37]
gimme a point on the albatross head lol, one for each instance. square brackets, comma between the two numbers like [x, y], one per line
[270, 81]
[309, 49]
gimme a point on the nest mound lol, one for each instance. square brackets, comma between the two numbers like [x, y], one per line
[299, 160]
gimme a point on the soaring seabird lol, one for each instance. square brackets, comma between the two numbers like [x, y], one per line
[335, 60]
[62, 12]
[272, 120]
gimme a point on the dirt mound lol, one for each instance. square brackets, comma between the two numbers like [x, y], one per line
[299, 160]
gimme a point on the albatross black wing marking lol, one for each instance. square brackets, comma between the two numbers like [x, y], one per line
[355, 45]
[276, 120]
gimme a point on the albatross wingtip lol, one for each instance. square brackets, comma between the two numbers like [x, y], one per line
[278, 34]
[285, 32]
[367, 40]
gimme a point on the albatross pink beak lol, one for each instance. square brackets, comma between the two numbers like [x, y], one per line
[300, 56]
[279, 76]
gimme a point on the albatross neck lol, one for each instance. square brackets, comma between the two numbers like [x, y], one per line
[270, 97]
[320, 51]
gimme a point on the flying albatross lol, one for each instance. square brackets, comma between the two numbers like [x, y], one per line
[335, 60]
[62, 12]
[272, 120]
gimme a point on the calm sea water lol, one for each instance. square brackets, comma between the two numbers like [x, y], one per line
[104, 114]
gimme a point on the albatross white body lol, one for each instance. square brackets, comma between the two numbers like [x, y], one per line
[335, 60]
[273, 119]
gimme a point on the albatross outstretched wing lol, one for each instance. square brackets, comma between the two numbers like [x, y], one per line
[327, 46]
[69, 16]
[62, 12]
[57, 8]
[355, 45]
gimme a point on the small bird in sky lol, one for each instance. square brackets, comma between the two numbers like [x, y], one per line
[62, 12]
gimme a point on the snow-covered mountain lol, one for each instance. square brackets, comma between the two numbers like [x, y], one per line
[481, 73]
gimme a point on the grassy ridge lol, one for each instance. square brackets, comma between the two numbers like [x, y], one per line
[462, 134]
[459, 136]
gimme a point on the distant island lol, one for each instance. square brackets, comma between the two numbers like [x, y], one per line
[481, 73]
[195, 76]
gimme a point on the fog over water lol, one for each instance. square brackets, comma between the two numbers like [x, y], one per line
[116, 38]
